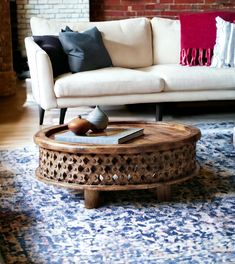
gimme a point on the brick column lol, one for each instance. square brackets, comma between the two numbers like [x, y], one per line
[7, 75]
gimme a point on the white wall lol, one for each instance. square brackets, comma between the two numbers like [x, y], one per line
[69, 10]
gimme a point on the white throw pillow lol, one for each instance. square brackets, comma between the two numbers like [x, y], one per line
[224, 49]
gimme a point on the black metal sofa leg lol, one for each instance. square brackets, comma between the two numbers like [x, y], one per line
[159, 110]
[41, 114]
[62, 115]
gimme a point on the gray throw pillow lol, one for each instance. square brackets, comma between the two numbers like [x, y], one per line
[86, 50]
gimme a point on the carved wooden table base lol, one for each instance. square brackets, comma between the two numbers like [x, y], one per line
[165, 155]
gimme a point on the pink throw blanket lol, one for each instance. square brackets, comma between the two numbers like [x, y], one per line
[198, 35]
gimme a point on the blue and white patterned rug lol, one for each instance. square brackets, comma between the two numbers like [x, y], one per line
[41, 223]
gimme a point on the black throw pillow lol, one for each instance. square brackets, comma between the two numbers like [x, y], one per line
[86, 50]
[52, 46]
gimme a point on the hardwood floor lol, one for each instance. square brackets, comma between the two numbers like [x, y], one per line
[19, 117]
[18, 122]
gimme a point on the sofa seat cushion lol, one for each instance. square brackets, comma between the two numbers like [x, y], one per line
[181, 78]
[107, 81]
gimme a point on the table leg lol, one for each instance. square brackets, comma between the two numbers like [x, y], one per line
[91, 198]
[163, 193]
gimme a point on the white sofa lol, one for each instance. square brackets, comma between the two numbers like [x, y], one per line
[146, 69]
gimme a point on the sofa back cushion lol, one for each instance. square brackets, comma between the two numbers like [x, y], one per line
[166, 40]
[128, 41]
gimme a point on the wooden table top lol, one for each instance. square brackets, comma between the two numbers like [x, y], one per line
[157, 135]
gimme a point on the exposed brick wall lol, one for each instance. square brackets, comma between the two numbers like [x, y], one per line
[70, 10]
[117, 9]
[7, 76]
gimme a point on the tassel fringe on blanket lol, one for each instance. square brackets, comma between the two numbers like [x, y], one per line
[196, 56]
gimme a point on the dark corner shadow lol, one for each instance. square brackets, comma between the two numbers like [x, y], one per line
[7, 186]
[13, 223]
[12, 226]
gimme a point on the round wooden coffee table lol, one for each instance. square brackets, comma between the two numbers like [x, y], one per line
[164, 155]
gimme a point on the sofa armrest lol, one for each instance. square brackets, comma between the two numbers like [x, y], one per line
[41, 75]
